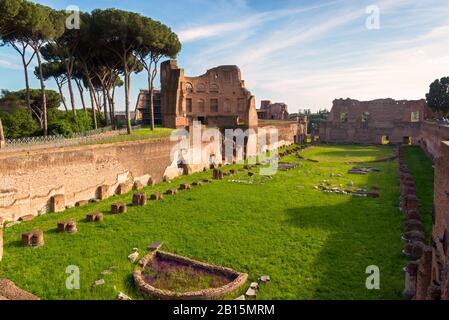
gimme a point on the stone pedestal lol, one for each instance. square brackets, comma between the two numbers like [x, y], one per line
[95, 217]
[67, 226]
[411, 272]
[156, 196]
[118, 208]
[218, 174]
[184, 186]
[138, 185]
[123, 188]
[34, 238]
[57, 203]
[103, 192]
[424, 274]
[172, 191]
[139, 199]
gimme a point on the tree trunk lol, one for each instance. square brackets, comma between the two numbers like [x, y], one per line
[113, 108]
[127, 88]
[92, 95]
[69, 84]
[151, 92]
[105, 106]
[109, 99]
[44, 97]
[27, 84]
[81, 90]
[60, 93]
[94, 113]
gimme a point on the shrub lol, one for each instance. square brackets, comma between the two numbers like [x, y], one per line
[61, 126]
[19, 123]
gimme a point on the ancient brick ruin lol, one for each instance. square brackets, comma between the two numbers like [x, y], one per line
[374, 122]
[217, 98]
[272, 111]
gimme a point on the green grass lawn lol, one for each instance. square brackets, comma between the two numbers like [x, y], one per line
[421, 167]
[139, 134]
[313, 245]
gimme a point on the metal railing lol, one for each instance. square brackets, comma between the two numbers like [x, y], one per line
[60, 140]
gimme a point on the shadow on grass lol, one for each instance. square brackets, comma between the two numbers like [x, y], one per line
[361, 232]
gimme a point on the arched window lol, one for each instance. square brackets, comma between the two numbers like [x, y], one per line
[201, 88]
[189, 87]
[201, 105]
[214, 88]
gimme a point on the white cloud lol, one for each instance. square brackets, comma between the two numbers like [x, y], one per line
[9, 65]
[243, 23]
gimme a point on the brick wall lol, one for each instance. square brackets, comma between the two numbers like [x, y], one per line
[28, 181]
[367, 122]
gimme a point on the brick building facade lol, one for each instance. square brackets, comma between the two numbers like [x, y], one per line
[217, 98]
[272, 111]
[374, 122]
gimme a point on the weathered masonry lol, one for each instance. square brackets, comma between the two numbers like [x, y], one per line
[374, 122]
[217, 98]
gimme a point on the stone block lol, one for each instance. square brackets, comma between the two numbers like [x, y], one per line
[123, 188]
[95, 217]
[197, 184]
[413, 225]
[412, 215]
[28, 217]
[410, 279]
[140, 199]
[184, 186]
[217, 174]
[118, 208]
[411, 202]
[171, 191]
[103, 192]
[138, 185]
[156, 196]
[57, 203]
[414, 249]
[417, 236]
[33, 238]
[81, 203]
[67, 226]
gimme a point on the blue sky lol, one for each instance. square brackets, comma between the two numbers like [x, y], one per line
[304, 53]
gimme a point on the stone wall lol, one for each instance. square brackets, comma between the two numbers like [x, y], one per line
[216, 98]
[49, 180]
[236, 279]
[30, 181]
[431, 135]
[438, 265]
[369, 122]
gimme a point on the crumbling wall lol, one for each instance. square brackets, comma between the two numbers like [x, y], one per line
[368, 122]
[30, 181]
[431, 135]
[440, 232]
[48, 180]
